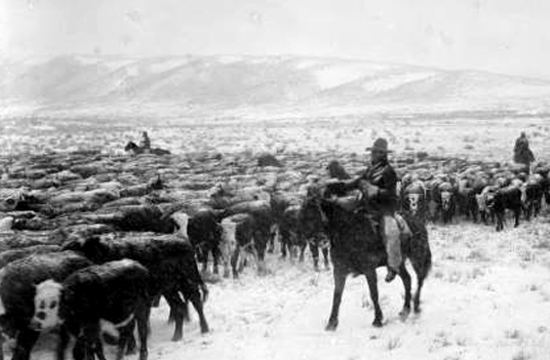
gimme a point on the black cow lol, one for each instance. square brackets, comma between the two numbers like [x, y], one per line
[534, 191]
[109, 296]
[466, 199]
[136, 218]
[171, 264]
[17, 291]
[506, 198]
[204, 232]
[291, 232]
[356, 248]
[312, 227]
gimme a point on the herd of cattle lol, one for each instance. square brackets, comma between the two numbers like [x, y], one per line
[480, 193]
[83, 232]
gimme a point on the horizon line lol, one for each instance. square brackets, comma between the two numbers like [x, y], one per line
[287, 55]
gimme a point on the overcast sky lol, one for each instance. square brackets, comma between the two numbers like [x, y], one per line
[506, 36]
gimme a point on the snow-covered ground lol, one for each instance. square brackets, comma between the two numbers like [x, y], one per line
[487, 297]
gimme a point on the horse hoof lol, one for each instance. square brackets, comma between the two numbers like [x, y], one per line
[331, 326]
[417, 310]
[377, 323]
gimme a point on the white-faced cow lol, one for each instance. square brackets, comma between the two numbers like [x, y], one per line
[171, 264]
[109, 296]
[17, 291]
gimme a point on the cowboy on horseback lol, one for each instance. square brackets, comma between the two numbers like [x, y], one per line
[145, 142]
[379, 201]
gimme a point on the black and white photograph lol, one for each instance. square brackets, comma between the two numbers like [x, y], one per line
[275, 179]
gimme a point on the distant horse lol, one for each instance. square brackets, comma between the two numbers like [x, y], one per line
[131, 146]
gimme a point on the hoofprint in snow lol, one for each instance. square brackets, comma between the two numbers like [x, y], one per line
[487, 297]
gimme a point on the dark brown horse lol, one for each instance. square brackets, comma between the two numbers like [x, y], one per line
[357, 248]
[136, 150]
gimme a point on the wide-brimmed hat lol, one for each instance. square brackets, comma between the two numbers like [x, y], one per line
[380, 144]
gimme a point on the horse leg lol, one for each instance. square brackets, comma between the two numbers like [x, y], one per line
[339, 283]
[373, 289]
[406, 278]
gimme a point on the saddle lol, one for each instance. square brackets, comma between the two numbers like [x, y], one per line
[354, 204]
[350, 203]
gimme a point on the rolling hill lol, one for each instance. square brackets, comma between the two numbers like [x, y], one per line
[246, 85]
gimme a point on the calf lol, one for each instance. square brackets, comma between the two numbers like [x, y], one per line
[237, 235]
[483, 200]
[264, 220]
[110, 294]
[506, 198]
[17, 291]
[171, 264]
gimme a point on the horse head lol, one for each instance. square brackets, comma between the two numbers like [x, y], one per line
[131, 146]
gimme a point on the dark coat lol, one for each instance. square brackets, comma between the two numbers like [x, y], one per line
[383, 176]
[522, 153]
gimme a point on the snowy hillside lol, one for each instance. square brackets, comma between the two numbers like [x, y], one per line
[180, 85]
